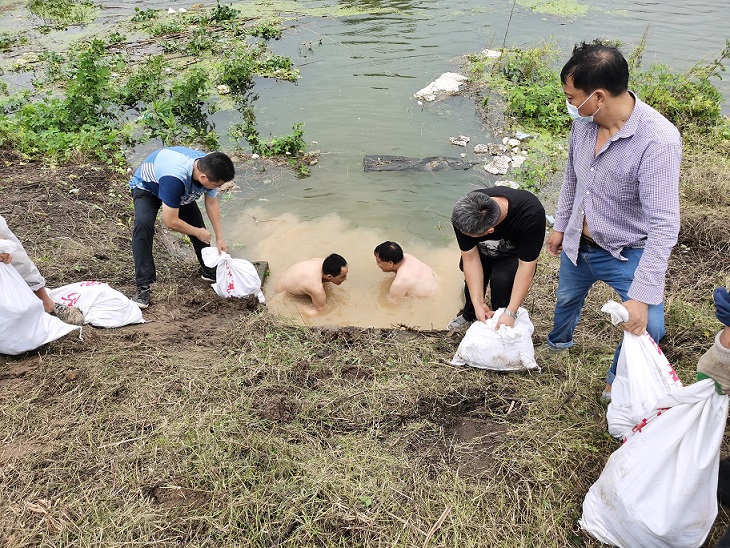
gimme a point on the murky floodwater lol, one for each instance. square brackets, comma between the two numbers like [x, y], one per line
[355, 97]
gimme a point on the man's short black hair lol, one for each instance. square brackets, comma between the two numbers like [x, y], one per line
[333, 264]
[217, 166]
[389, 252]
[597, 65]
[475, 213]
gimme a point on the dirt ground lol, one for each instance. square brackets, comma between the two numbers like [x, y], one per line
[341, 434]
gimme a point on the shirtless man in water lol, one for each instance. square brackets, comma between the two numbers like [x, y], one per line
[308, 278]
[413, 278]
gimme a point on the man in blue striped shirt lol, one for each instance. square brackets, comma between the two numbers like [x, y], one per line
[174, 178]
[618, 212]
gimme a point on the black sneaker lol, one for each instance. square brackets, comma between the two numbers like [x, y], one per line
[207, 274]
[142, 297]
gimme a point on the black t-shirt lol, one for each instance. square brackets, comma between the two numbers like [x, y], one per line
[521, 232]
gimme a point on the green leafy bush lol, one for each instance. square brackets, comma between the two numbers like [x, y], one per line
[687, 99]
[222, 13]
[237, 70]
[529, 83]
[266, 30]
[144, 15]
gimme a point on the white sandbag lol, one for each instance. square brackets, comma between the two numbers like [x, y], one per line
[643, 376]
[659, 488]
[102, 305]
[234, 277]
[506, 349]
[24, 324]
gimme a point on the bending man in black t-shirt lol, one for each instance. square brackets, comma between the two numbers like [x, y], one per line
[500, 232]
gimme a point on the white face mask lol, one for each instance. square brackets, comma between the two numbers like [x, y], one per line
[575, 115]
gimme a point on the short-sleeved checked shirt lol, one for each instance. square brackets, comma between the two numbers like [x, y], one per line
[628, 194]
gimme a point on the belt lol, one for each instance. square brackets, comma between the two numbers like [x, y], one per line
[588, 242]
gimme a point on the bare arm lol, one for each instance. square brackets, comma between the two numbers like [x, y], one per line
[523, 280]
[398, 290]
[172, 220]
[212, 208]
[319, 297]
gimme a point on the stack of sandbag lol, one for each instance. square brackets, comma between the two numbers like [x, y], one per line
[504, 349]
[659, 488]
[102, 305]
[24, 323]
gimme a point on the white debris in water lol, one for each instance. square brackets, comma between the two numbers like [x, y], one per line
[223, 89]
[498, 166]
[492, 54]
[254, 156]
[510, 184]
[445, 85]
[463, 155]
[460, 141]
[182, 10]
[171, 11]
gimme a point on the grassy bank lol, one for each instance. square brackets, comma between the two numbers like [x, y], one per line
[218, 424]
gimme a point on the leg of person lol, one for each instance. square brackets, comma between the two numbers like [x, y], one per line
[619, 275]
[191, 214]
[37, 283]
[146, 206]
[501, 280]
[467, 314]
[574, 281]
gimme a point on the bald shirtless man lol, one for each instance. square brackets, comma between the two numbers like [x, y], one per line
[413, 278]
[308, 278]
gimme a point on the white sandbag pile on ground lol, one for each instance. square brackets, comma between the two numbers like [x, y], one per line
[506, 349]
[102, 305]
[24, 323]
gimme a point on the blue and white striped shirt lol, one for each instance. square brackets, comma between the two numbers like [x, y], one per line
[628, 194]
[168, 174]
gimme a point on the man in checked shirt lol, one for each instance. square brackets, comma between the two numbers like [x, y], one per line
[618, 212]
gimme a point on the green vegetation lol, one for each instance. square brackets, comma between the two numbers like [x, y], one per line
[115, 98]
[8, 41]
[527, 83]
[59, 14]
[569, 9]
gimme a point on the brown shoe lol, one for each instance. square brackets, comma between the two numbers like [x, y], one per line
[68, 314]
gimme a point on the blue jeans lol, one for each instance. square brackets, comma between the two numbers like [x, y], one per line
[596, 264]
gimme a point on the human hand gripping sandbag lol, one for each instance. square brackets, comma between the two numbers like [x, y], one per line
[659, 488]
[715, 363]
[24, 323]
[643, 375]
[506, 349]
[102, 305]
[234, 277]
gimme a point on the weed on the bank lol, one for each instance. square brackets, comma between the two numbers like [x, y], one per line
[101, 96]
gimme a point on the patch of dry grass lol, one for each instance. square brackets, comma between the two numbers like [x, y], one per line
[218, 425]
